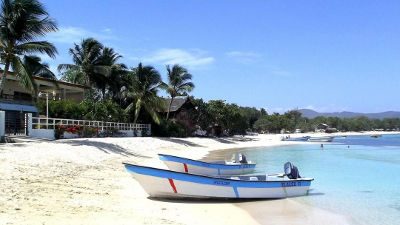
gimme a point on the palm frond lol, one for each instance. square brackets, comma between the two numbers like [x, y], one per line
[23, 74]
[43, 47]
[65, 67]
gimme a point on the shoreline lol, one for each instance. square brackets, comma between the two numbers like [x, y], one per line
[82, 181]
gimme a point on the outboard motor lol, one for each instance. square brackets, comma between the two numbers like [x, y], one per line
[291, 171]
[243, 159]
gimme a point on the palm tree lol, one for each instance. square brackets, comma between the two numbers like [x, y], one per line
[37, 68]
[144, 84]
[87, 59]
[73, 76]
[93, 64]
[114, 80]
[21, 23]
[179, 83]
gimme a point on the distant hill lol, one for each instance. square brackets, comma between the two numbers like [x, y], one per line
[312, 114]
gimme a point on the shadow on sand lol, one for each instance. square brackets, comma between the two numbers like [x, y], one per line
[105, 147]
[208, 200]
[224, 140]
[222, 200]
[180, 141]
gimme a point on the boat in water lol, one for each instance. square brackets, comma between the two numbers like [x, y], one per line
[238, 165]
[171, 184]
[321, 139]
[376, 135]
[304, 138]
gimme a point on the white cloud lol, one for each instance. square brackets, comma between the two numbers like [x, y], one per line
[107, 30]
[69, 35]
[190, 58]
[243, 57]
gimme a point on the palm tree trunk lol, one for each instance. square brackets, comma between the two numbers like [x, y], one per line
[103, 93]
[3, 77]
[135, 119]
[169, 107]
[137, 110]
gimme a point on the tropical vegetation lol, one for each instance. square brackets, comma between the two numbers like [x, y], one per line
[121, 93]
[179, 83]
[22, 23]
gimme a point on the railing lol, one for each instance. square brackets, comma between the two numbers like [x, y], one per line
[52, 123]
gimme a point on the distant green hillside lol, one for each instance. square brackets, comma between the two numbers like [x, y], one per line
[308, 113]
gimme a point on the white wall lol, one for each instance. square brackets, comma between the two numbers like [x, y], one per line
[2, 123]
[128, 133]
[42, 133]
[68, 135]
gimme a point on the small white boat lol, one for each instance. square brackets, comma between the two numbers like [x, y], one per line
[304, 138]
[238, 165]
[321, 139]
[172, 184]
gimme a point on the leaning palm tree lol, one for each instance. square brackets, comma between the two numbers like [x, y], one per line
[179, 83]
[21, 23]
[144, 84]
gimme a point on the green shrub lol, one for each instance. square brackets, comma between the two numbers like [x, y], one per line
[169, 129]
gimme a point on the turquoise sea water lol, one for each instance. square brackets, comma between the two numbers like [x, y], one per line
[358, 176]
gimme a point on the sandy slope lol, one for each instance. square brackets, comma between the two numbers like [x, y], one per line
[82, 181]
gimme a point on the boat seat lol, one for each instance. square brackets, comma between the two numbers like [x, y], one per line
[253, 178]
[235, 178]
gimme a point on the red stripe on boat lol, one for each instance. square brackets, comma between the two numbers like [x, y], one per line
[186, 168]
[171, 182]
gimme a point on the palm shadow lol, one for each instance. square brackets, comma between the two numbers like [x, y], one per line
[224, 140]
[104, 147]
[180, 141]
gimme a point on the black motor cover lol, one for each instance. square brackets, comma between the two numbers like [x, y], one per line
[291, 171]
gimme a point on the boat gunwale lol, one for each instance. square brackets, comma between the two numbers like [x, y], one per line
[211, 165]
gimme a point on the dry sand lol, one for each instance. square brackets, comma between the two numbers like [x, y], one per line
[82, 181]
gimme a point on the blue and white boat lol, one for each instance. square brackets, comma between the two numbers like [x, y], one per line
[238, 165]
[171, 184]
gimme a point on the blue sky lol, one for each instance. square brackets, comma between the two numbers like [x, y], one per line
[324, 55]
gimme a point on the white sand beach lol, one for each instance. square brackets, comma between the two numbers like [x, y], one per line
[82, 181]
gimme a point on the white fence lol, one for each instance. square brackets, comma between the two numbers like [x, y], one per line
[2, 124]
[45, 127]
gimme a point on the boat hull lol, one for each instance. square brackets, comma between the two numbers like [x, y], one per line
[297, 139]
[320, 139]
[185, 165]
[170, 184]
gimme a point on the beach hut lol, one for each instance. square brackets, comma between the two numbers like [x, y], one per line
[181, 110]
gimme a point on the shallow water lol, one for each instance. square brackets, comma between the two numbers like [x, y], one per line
[357, 176]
